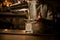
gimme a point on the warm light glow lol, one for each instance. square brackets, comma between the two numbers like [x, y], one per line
[7, 3]
[5, 30]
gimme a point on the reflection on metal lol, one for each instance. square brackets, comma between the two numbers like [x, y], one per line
[18, 6]
[15, 4]
[24, 9]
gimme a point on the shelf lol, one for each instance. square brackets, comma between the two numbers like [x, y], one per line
[8, 14]
[19, 6]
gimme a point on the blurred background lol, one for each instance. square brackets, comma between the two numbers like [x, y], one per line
[29, 19]
[13, 15]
